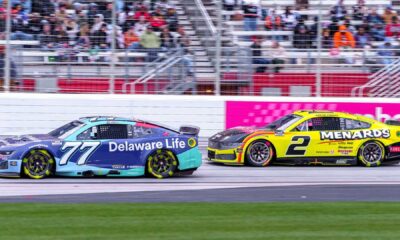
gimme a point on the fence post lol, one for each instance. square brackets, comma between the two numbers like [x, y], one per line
[7, 57]
[318, 83]
[113, 47]
[218, 51]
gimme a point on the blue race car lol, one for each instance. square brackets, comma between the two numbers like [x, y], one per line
[102, 146]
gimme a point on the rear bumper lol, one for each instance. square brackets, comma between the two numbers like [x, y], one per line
[228, 156]
[10, 168]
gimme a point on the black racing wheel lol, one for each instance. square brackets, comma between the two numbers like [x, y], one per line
[162, 164]
[259, 153]
[371, 154]
[38, 164]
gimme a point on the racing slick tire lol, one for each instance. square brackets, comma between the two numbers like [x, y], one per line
[259, 153]
[371, 154]
[38, 164]
[162, 164]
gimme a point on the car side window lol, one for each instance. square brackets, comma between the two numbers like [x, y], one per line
[141, 131]
[351, 124]
[319, 124]
[105, 131]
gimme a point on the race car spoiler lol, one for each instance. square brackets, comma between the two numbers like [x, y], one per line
[189, 130]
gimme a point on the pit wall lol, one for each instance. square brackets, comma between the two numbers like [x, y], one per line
[39, 113]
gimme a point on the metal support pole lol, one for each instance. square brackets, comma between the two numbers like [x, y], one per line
[7, 57]
[318, 87]
[113, 47]
[218, 51]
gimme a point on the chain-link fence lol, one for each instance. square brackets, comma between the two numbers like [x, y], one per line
[230, 47]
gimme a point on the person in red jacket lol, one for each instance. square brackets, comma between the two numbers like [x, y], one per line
[393, 29]
[157, 20]
[142, 11]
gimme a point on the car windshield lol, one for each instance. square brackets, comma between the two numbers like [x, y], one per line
[66, 129]
[283, 122]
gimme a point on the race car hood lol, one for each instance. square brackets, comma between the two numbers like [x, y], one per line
[23, 139]
[233, 135]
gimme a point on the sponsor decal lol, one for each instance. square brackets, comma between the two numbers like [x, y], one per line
[131, 147]
[56, 143]
[192, 142]
[345, 152]
[349, 135]
[395, 149]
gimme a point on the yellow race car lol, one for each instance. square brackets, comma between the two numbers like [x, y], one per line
[310, 138]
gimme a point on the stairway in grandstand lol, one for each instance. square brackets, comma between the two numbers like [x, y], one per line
[203, 67]
[384, 83]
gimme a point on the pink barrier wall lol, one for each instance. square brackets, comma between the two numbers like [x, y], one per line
[240, 113]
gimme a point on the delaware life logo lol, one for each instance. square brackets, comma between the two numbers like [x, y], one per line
[173, 143]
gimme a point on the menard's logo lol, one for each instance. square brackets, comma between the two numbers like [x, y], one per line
[351, 135]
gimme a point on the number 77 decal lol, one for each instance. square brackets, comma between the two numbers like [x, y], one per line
[71, 147]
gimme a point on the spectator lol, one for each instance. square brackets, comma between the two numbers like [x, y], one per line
[71, 28]
[326, 41]
[339, 10]
[388, 15]
[273, 21]
[108, 13]
[98, 23]
[131, 39]
[171, 19]
[365, 25]
[167, 40]
[333, 26]
[393, 29]
[250, 12]
[99, 38]
[157, 21]
[142, 12]
[61, 13]
[92, 13]
[300, 25]
[118, 37]
[302, 38]
[183, 40]
[229, 5]
[289, 18]
[349, 27]
[387, 53]
[374, 17]
[60, 36]
[378, 32]
[43, 7]
[278, 55]
[343, 38]
[302, 4]
[84, 36]
[362, 38]
[257, 55]
[46, 38]
[34, 25]
[151, 42]
[360, 11]
[141, 25]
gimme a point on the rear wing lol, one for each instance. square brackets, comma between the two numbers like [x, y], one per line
[392, 122]
[189, 130]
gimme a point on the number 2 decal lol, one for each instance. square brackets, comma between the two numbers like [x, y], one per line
[296, 143]
[71, 147]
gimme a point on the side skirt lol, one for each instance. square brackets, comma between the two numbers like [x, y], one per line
[317, 161]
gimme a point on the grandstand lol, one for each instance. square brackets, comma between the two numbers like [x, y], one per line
[68, 47]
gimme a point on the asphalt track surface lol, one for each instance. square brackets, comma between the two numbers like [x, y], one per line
[217, 183]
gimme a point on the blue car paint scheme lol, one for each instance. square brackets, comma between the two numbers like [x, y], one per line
[111, 157]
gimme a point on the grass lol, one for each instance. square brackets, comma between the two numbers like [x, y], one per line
[201, 221]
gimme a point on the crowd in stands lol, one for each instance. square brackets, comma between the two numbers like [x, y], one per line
[347, 28]
[87, 24]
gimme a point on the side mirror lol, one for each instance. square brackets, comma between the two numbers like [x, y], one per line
[278, 132]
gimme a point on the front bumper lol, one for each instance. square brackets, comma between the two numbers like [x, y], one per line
[228, 156]
[10, 168]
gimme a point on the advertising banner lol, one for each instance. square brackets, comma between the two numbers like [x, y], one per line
[243, 113]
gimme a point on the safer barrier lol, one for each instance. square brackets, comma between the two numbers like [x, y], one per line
[22, 113]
